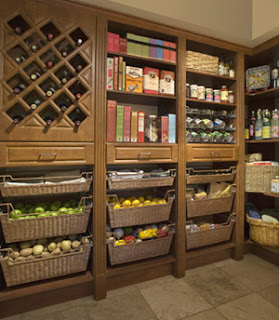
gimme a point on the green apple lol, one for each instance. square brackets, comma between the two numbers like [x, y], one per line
[71, 210]
[42, 204]
[55, 206]
[43, 215]
[29, 217]
[80, 209]
[53, 214]
[15, 214]
[39, 210]
[63, 210]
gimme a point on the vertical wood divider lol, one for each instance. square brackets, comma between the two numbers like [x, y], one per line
[181, 164]
[99, 217]
[240, 176]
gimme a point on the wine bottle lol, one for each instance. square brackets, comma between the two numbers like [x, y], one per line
[19, 88]
[252, 126]
[20, 59]
[17, 118]
[76, 121]
[34, 76]
[275, 124]
[35, 104]
[34, 48]
[259, 126]
[48, 121]
[78, 95]
[50, 91]
[18, 30]
[63, 107]
[79, 67]
[49, 64]
[79, 42]
[266, 124]
[50, 36]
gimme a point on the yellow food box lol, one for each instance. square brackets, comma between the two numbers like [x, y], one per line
[134, 77]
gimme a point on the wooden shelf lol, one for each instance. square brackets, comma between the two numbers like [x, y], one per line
[270, 93]
[271, 194]
[221, 104]
[138, 98]
[267, 253]
[210, 75]
[262, 141]
[45, 293]
[143, 60]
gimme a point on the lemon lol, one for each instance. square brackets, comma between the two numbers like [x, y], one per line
[161, 201]
[155, 199]
[133, 198]
[146, 203]
[136, 203]
[121, 199]
[117, 206]
[130, 199]
[152, 203]
[141, 199]
[141, 205]
[126, 203]
[149, 197]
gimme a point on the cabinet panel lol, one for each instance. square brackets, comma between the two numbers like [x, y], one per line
[38, 154]
[196, 153]
[141, 154]
[47, 74]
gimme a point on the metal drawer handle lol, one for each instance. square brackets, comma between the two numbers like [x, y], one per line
[214, 153]
[47, 156]
[145, 155]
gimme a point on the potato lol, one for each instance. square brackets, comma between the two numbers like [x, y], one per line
[19, 259]
[25, 245]
[31, 257]
[15, 254]
[73, 237]
[85, 240]
[25, 252]
[56, 251]
[51, 246]
[42, 241]
[76, 244]
[45, 248]
[66, 245]
[45, 254]
[58, 244]
[38, 249]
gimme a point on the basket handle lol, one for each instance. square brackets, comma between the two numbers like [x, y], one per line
[172, 171]
[83, 199]
[168, 193]
[231, 168]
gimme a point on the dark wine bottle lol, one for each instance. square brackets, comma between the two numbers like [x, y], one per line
[79, 67]
[17, 118]
[79, 42]
[76, 121]
[78, 95]
[50, 91]
[18, 30]
[63, 107]
[50, 36]
[48, 120]
[34, 48]
[34, 76]
[35, 104]
[49, 64]
[19, 88]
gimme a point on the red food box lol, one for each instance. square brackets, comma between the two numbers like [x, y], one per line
[115, 73]
[140, 126]
[110, 41]
[115, 42]
[166, 51]
[122, 45]
[127, 124]
[150, 80]
[173, 52]
[111, 120]
[163, 127]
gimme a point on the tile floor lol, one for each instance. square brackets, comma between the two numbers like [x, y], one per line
[226, 290]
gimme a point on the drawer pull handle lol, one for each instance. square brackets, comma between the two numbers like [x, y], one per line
[214, 153]
[47, 156]
[145, 155]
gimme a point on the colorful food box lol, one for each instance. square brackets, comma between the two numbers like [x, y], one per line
[134, 79]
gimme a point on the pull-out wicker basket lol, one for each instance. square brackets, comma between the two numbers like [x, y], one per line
[258, 178]
[202, 238]
[145, 180]
[208, 176]
[44, 227]
[201, 62]
[132, 216]
[139, 251]
[40, 268]
[264, 233]
[18, 187]
[204, 207]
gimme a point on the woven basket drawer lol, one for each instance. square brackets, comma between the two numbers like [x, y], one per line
[197, 176]
[139, 251]
[16, 273]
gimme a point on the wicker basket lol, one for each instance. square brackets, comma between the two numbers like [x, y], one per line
[201, 176]
[264, 233]
[132, 216]
[204, 207]
[44, 227]
[204, 238]
[139, 251]
[16, 273]
[145, 181]
[201, 62]
[28, 188]
[258, 178]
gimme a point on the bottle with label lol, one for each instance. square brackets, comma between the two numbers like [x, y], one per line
[221, 67]
[275, 184]
[224, 94]
[231, 71]
[246, 132]
[275, 75]
[48, 115]
[266, 124]
[226, 68]
[259, 126]
[20, 87]
[252, 126]
[275, 124]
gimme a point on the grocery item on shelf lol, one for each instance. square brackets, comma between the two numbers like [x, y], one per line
[257, 78]
[40, 259]
[199, 92]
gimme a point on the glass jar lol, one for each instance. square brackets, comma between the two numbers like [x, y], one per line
[194, 91]
[151, 129]
[187, 90]
[231, 97]
[224, 94]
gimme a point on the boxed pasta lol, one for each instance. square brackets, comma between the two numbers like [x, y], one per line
[133, 79]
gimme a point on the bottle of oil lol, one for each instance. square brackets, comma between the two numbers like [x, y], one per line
[259, 126]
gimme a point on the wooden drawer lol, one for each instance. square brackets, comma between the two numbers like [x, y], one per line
[141, 153]
[198, 152]
[38, 154]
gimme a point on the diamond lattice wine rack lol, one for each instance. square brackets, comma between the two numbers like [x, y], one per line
[47, 78]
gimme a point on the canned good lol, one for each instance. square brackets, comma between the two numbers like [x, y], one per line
[275, 184]
[217, 95]
[209, 94]
[190, 123]
[208, 123]
[204, 137]
[228, 137]
[218, 137]
[194, 91]
[200, 124]
[187, 90]
[188, 136]
[151, 129]
[195, 137]
[201, 92]
[219, 124]
[231, 97]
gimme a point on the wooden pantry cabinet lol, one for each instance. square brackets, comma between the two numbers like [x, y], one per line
[58, 120]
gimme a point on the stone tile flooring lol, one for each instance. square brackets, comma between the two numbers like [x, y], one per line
[226, 290]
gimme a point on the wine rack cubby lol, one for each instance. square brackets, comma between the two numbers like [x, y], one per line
[48, 79]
